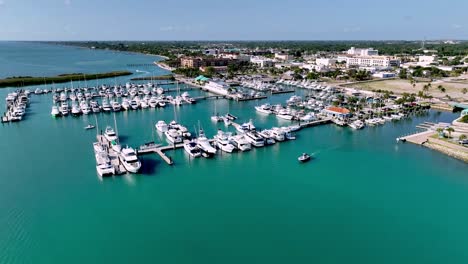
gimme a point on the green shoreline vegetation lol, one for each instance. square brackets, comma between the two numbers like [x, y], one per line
[17, 81]
[169, 77]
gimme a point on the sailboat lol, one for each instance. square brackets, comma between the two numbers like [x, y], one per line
[216, 117]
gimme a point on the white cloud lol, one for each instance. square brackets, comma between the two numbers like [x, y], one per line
[456, 26]
[353, 29]
[66, 2]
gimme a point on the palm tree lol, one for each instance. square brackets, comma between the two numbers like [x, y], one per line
[450, 130]
[440, 131]
[464, 91]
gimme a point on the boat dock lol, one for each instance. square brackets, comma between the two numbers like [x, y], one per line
[417, 138]
[315, 123]
[160, 150]
[113, 156]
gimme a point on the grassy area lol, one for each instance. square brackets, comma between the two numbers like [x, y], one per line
[29, 80]
[399, 86]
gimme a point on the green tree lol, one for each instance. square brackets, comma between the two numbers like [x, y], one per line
[450, 130]
[464, 91]
[403, 74]
[462, 137]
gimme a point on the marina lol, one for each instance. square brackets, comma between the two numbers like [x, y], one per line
[216, 202]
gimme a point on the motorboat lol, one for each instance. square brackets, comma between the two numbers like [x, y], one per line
[110, 134]
[76, 111]
[89, 127]
[173, 136]
[192, 149]
[125, 104]
[204, 144]
[55, 111]
[278, 134]
[358, 124]
[267, 135]
[116, 106]
[255, 139]
[304, 157]
[129, 160]
[161, 126]
[222, 141]
[264, 109]
[240, 142]
[63, 109]
[246, 127]
[106, 107]
[134, 104]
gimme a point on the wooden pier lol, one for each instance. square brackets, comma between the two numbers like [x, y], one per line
[162, 149]
[315, 123]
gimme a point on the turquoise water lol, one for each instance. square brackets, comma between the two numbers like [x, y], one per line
[364, 199]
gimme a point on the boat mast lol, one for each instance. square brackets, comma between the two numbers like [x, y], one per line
[116, 130]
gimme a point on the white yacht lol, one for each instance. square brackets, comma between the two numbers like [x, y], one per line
[110, 134]
[284, 114]
[106, 107]
[129, 160]
[268, 136]
[222, 141]
[204, 144]
[63, 109]
[173, 136]
[85, 108]
[116, 106]
[76, 111]
[264, 109]
[246, 127]
[192, 149]
[278, 134]
[144, 104]
[161, 126]
[255, 139]
[153, 102]
[358, 124]
[55, 111]
[134, 104]
[125, 104]
[240, 142]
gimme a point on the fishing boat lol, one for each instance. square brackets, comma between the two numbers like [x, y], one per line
[204, 144]
[304, 157]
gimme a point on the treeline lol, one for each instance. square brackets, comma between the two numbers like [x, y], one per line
[28, 80]
[171, 48]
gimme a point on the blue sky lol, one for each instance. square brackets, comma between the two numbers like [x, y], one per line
[232, 20]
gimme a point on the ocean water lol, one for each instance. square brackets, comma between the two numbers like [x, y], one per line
[363, 199]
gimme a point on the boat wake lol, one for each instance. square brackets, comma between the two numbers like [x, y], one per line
[140, 71]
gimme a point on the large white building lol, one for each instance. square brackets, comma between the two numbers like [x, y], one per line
[283, 56]
[378, 62]
[327, 62]
[262, 62]
[362, 52]
[426, 60]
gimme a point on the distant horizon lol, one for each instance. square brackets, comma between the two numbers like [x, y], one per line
[239, 40]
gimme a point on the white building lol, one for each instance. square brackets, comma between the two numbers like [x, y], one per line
[378, 62]
[283, 56]
[327, 62]
[384, 75]
[363, 52]
[426, 60]
[234, 56]
[262, 62]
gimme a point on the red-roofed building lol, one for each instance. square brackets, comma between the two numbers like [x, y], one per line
[334, 111]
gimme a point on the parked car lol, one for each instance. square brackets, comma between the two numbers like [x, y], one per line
[463, 142]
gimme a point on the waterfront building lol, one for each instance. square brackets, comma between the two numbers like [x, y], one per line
[217, 87]
[336, 112]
